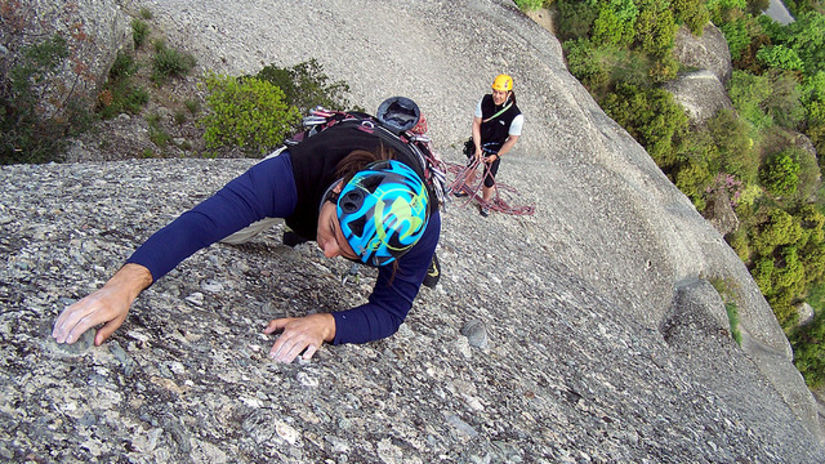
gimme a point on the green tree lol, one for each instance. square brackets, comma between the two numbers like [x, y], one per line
[813, 88]
[736, 154]
[807, 39]
[652, 117]
[809, 350]
[780, 174]
[656, 28]
[305, 86]
[692, 13]
[576, 18]
[780, 228]
[615, 23]
[693, 178]
[722, 11]
[27, 135]
[756, 7]
[736, 34]
[748, 93]
[783, 102]
[583, 60]
[780, 57]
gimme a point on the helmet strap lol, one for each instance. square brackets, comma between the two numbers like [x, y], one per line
[330, 194]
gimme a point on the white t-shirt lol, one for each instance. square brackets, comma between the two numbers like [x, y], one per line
[515, 126]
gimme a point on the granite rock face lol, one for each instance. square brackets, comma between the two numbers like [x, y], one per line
[701, 94]
[94, 31]
[708, 51]
[584, 333]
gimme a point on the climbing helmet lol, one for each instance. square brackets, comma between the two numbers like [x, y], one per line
[503, 83]
[383, 211]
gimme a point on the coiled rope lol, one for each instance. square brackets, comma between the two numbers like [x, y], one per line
[497, 202]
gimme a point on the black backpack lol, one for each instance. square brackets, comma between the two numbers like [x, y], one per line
[398, 126]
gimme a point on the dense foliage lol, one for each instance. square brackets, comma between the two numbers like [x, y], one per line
[305, 86]
[621, 51]
[246, 112]
[256, 113]
[31, 132]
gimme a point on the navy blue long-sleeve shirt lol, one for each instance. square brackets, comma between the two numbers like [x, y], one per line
[268, 189]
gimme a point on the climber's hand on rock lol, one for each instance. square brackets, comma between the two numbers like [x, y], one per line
[109, 306]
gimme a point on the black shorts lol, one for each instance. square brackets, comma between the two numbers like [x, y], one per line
[490, 170]
[490, 173]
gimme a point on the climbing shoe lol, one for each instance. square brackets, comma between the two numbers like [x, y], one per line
[433, 273]
[460, 193]
[485, 210]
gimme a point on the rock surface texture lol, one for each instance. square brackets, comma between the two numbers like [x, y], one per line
[709, 51]
[585, 333]
[701, 94]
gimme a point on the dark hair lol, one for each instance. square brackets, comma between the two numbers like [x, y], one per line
[513, 96]
[357, 160]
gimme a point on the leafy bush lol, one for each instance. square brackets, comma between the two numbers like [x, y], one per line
[780, 174]
[781, 284]
[600, 67]
[157, 134]
[745, 36]
[813, 258]
[748, 198]
[119, 94]
[733, 321]
[140, 31]
[779, 229]
[529, 5]
[813, 100]
[582, 62]
[169, 62]
[305, 86]
[27, 135]
[807, 39]
[756, 7]
[809, 174]
[121, 97]
[783, 103]
[693, 178]
[813, 88]
[738, 240]
[816, 125]
[722, 11]
[249, 113]
[780, 57]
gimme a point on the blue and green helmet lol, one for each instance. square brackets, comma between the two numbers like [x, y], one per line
[383, 211]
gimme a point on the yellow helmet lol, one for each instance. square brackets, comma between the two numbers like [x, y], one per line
[503, 83]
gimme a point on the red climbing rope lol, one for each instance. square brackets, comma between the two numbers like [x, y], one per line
[497, 203]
